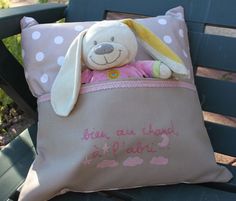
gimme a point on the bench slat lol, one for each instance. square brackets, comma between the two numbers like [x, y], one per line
[15, 176]
[146, 8]
[194, 43]
[222, 137]
[217, 52]
[10, 18]
[22, 144]
[220, 13]
[217, 96]
[201, 11]
[15, 159]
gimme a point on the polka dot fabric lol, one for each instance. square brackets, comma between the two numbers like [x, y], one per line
[44, 45]
[43, 49]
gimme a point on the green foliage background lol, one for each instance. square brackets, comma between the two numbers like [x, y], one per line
[4, 99]
[4, 3]
[13, 44]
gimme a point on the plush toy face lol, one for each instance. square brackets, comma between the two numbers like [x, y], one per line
[109, 44]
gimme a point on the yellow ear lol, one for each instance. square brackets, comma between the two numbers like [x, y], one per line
[156, 48]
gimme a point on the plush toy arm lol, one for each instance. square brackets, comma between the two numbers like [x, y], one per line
[161, 70]
[145, 67]
[155, 69]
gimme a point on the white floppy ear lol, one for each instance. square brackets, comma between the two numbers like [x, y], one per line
[65, 89]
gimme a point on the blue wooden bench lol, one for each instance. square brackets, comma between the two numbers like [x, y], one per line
[217, 96]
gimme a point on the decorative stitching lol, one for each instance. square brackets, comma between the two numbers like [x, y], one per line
[149, 83]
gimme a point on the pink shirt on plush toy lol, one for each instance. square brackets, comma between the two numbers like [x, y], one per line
[137, 69]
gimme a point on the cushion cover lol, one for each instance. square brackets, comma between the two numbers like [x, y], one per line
[121, 134]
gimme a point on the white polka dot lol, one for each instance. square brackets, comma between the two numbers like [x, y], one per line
[181, 33]
[36, 35]
[60, 60]
[58, 40]
[39, 56]
[185, 54]
[79, 28]
[167, 39]
[44, 78]
[162, 21]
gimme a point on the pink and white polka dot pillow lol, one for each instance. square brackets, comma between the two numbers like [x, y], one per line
[44, 45]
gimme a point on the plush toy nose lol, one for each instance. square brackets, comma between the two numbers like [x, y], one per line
[103, 49]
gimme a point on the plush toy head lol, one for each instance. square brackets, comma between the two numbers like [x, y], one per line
[105, 45]
[109, 44]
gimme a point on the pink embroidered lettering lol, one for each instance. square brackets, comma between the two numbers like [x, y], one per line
[149, 140]
[94, 135]
[151, 131]
[96, 153]
[115, 147]
[140, 148]
[123, 132]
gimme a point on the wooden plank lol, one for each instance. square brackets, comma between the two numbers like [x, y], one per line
[15, 176]
[222, 137]
[217, 52]
[195, 43]
[221, 12]
[201, 11]
[86, 12]
[15, 159]
[10, 18]
[21, 145]
[217, 96]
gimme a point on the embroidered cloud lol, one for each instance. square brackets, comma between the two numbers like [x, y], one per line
[107, 164]
[160, 160]
[133, 161]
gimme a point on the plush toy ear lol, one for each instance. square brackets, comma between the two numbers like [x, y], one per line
[66, 87]
[156, 48]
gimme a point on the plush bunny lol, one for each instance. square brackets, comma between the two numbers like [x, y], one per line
[108, 49]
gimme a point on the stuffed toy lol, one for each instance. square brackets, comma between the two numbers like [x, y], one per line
[107, 50]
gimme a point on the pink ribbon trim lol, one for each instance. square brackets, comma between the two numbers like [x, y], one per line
[89, 88]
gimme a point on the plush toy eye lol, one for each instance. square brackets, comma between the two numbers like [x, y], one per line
[112, 38]
[95, 42]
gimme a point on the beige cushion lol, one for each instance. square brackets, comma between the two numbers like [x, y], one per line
[121, 134]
